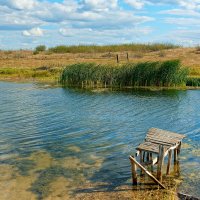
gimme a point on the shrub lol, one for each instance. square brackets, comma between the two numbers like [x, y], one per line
[40, 48]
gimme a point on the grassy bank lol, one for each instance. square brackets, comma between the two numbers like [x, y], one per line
[39, 74]
[159, 74]
[111, 48]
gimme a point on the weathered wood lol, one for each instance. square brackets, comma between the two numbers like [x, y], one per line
[179, 149]
[117, 57]
[141, 161]
[143, 157]
[147, 172]
[134, 172]
[161, 143]
[160, 162]
[163, 133]
[151, 147]
[175, 156]
[182, 196]
[151, 160]
[169, 162]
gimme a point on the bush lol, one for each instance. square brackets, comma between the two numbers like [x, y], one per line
[40, 48]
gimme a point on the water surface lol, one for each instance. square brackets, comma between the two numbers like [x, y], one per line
[58, 143]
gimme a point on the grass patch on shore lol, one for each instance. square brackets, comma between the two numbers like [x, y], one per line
[159, 74]
[111, 48]
[30, 73]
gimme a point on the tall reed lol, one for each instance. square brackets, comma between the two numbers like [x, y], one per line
[167, 74]
[111, 48]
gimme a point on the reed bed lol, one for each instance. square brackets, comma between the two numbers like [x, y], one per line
[111, 48]
[194, 82]
[160, 74]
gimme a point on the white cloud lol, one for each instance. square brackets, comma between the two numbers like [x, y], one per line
[188, 4]
[183, 21]
[19, 4]
[100, 5]
[33, 32]
[181, 12]
[115, 36]
[138, 4]
[185, 37]
[95, 21]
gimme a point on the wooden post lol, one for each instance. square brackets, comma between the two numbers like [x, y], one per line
[117, 58]
[141, 160]
[151, 160]
[148, 173]
[133, 171]
[175, 155]
[127, 57]
[160, 162]
[169, 162]
[179, 149]
[176, 160]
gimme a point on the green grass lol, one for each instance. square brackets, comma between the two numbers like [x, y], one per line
[161, 74]
[111, 48]
[42, 72]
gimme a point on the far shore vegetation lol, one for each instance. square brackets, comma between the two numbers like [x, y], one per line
[129, 65]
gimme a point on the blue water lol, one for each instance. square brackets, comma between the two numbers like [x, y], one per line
[91, 127]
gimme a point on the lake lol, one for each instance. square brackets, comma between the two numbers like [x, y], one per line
[56, 143]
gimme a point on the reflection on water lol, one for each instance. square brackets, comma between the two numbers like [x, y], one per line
[71, 144]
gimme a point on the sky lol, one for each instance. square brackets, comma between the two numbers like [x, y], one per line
[25, 24]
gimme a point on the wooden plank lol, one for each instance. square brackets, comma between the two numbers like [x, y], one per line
[150, 147]
[134, 172]
[141, 161]
[175, 156]
[167, 143]
[164, 140]
[147, 172]
[169, 162]
[165, 132]
[160, 162]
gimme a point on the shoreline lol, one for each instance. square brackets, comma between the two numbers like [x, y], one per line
[55, 81]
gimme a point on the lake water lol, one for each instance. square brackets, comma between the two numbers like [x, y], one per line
[58, 143]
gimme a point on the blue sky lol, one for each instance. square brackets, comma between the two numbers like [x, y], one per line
[25, 24]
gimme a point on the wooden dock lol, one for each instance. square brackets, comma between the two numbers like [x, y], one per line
[157, 145]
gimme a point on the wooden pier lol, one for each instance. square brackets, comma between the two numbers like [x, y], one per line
[157, 145]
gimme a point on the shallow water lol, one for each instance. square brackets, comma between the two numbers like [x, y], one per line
[58, 143]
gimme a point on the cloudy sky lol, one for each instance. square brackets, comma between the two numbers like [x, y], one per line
[28, 23]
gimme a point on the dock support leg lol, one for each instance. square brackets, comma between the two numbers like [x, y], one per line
[160, 162]
[179, 149]
[151, 160]
[169, 162]
[134, 172]
[141, 160]
[175, 156]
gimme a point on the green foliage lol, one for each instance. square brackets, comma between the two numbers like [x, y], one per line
[167, 74]
[111, 48]
[35, 52]
[40, 48]
[193, 82]
[41, 72]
